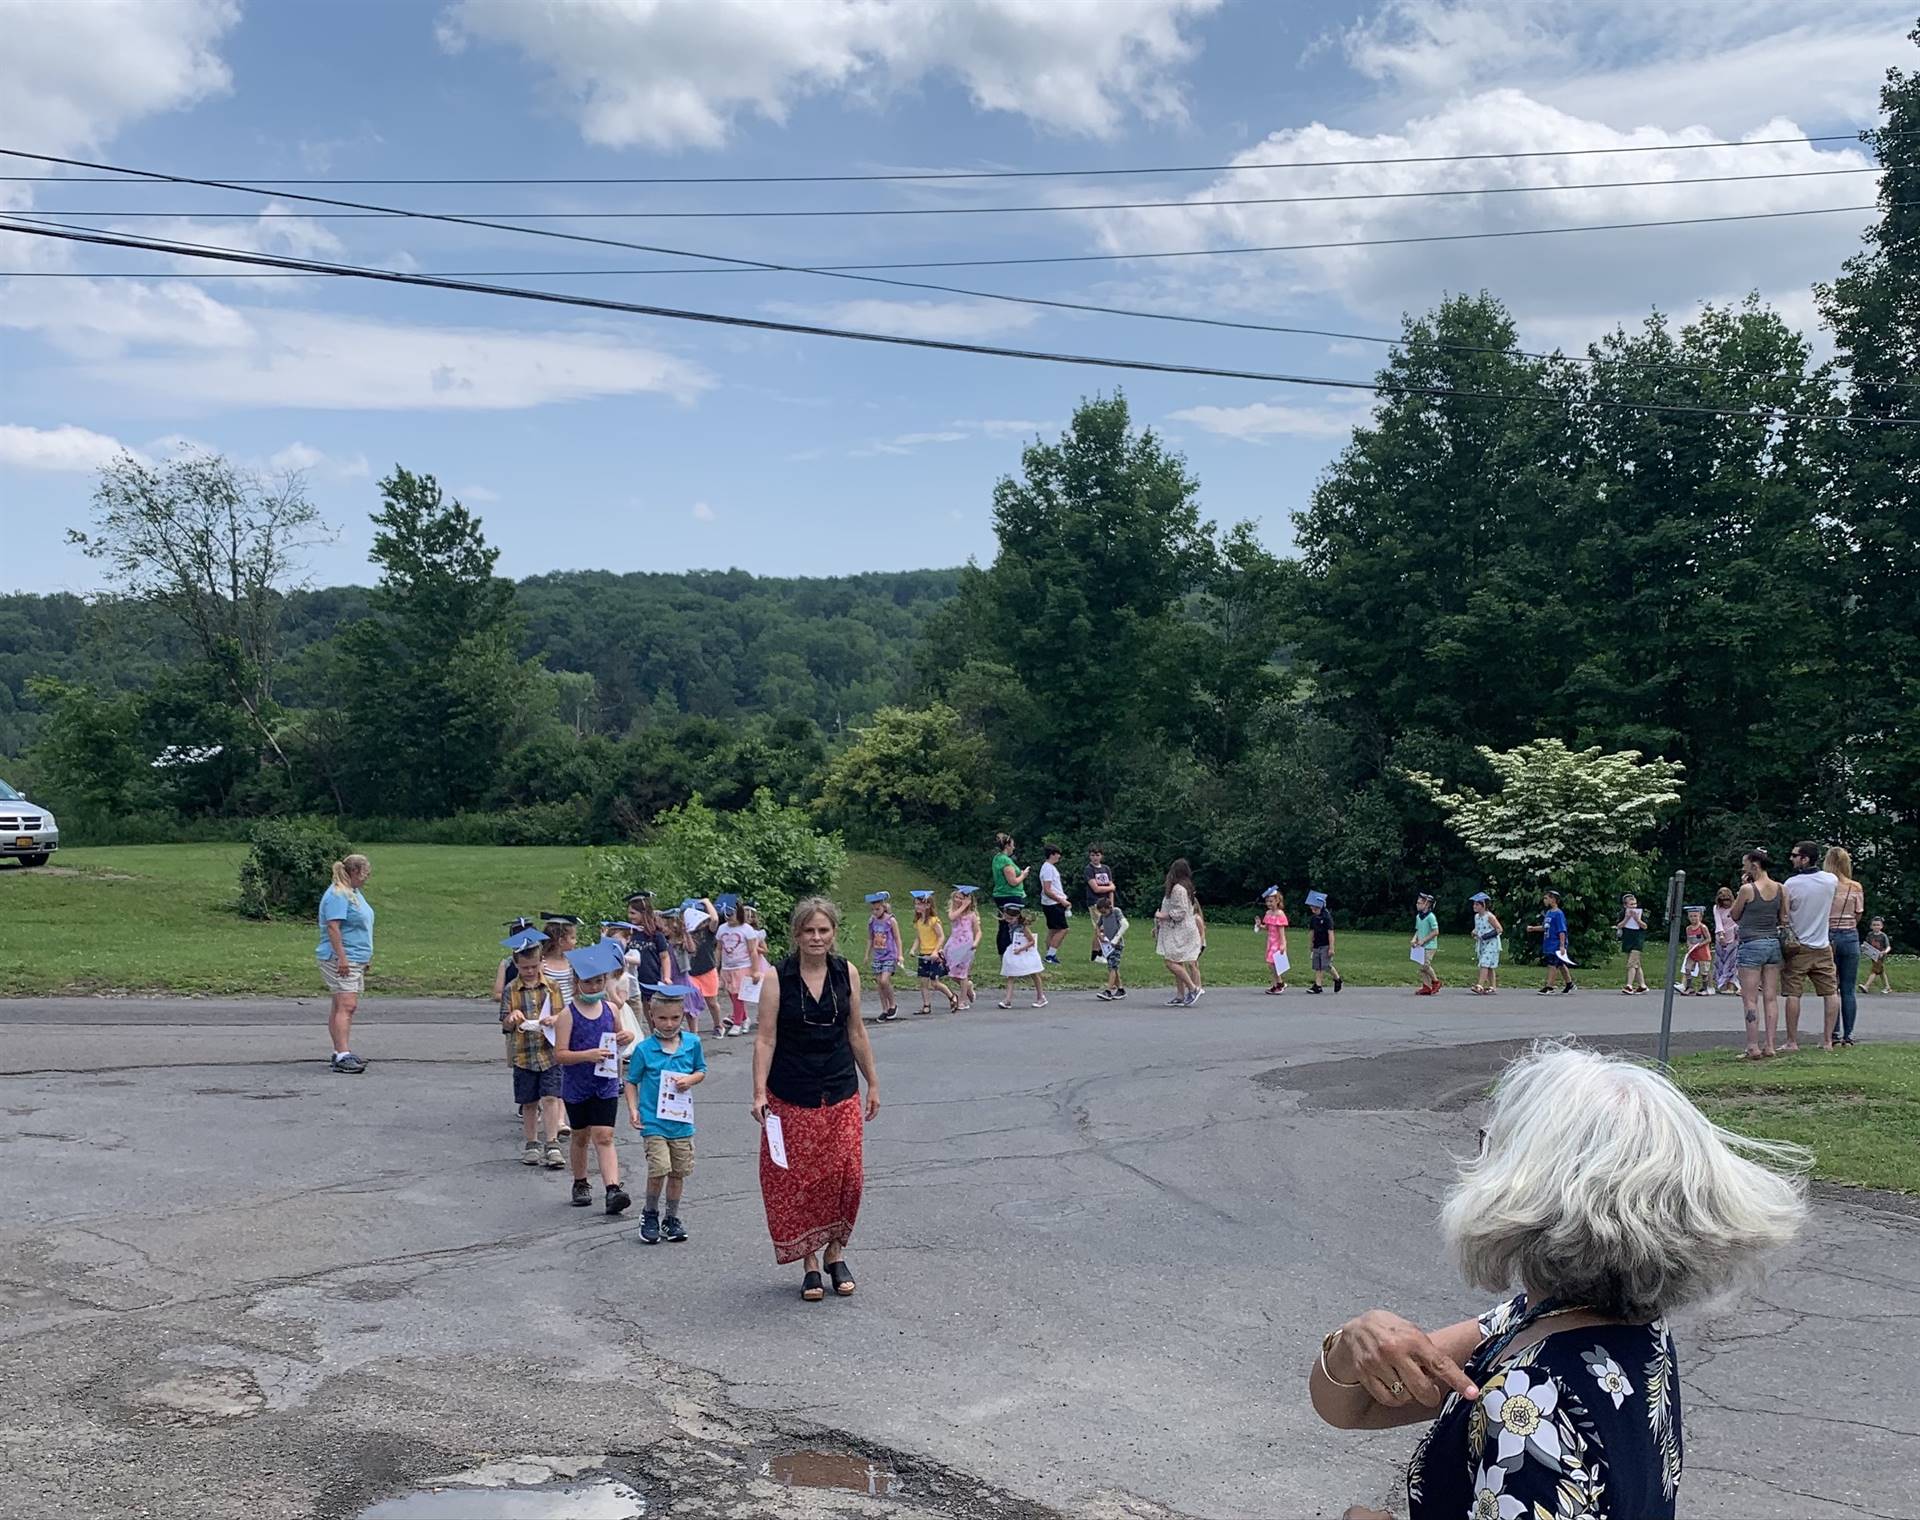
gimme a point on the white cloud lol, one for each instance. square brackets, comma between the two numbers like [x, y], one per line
[74, 72]
[1009, 427]
[1638, 62]
[1261, 420]
[1572, 277]
[304, 459]
[478, 496]
[298, 236]
[915, 319]
[65, 448]
[680, 73]
[704, 513]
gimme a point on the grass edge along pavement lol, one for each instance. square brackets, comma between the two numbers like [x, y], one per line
[158, 918]
[1857, 1109]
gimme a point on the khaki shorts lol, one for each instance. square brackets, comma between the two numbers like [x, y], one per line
[354, 981]
[669, 1158]
[1803, 965]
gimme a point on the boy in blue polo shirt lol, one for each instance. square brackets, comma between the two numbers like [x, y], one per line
[1552, 930]
[662, 1072]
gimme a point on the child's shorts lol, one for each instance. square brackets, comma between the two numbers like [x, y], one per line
[1322, 958]
[883, 964]
[592, 1113]
[932, 967]
[669, 1158]
[1113, 957]
[532, 1086]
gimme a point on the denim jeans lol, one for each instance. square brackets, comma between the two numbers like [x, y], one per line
[1846, 967]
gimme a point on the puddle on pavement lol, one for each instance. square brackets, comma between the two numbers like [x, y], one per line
[842, 1470]
[599, 1498]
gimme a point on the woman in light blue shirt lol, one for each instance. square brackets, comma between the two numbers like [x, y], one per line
[346, 948]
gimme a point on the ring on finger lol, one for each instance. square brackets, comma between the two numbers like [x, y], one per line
[1397, 1388]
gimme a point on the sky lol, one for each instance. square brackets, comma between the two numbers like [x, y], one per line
[593, 439]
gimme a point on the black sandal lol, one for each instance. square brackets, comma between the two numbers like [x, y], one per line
[812, 1289]
[842, 1275]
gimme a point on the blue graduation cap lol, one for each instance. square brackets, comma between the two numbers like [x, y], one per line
[1316, 899]
[918, 896]
[963, 887]
[672, 992]
[600, 959]
[874, 897]
[1268, 891]
[520, 925]
[1694, 908]
[1479, 897]
[615, 923]
[1425, 896]
[726, 902]
[526, 939]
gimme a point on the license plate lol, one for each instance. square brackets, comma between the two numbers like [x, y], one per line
[24, 842]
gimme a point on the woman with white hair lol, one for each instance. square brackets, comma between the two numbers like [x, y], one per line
[1608, 1200]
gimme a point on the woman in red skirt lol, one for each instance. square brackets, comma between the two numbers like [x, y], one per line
[805, 1061]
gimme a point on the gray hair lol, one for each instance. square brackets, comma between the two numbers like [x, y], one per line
[805, 909]
[1600, 1184]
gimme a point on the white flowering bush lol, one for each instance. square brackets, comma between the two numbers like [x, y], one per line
[1575, 820]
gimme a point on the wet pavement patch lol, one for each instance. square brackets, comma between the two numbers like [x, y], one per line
[596, 1498]
[844, 1470]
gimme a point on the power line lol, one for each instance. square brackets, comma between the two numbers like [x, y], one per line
[897, 211]
[943, 345]
[968, 174]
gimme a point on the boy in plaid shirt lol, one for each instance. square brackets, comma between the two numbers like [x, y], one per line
[528, 1006]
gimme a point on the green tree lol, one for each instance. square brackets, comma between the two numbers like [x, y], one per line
[1570, 819]
[1873, 312]
[437, 693]
[87, 751]
[910, 777]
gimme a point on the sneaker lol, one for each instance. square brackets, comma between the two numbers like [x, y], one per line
[888, 1015]
[729, 1032]
[1052, 959]
[582, 1192]
[650, 1227]
[1103, 996]
[1338, 981]
[1315, 987]
[1041, 1001]
[1199, 993]
[672, 1231]
[556, 1158]
[530, 1153]
[348, 1064]
[1190, 999]
[1119, 993]
[617, 1200]
[1566, 989]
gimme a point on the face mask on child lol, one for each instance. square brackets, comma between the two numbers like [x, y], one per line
[590, 997]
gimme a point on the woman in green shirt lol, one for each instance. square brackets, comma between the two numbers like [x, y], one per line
[1009, 886]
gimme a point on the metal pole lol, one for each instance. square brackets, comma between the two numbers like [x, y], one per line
[1676, 889]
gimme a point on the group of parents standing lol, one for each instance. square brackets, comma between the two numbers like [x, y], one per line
[1803, 931]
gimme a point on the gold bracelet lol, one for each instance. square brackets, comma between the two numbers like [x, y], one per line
[1327, 1343]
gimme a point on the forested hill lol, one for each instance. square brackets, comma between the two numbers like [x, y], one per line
[709, 643]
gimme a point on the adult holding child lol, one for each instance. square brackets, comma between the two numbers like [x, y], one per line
[1008, 884]
[344, 952]
[808, 1060]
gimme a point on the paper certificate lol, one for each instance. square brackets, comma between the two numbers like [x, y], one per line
[776, 1141]
[609, 1063]
[1418, 955]
[675, 1104]
[1281, 965]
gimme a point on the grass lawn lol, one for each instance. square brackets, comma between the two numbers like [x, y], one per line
[1857, 1110]
[154, 918]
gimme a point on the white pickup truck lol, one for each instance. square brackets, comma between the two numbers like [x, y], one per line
[27, 833]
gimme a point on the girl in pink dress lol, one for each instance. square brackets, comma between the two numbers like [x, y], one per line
[963, 938]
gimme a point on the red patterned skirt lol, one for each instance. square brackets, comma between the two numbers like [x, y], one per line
[813, 1202]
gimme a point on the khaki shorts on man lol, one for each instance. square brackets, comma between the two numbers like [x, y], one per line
[1803, 964]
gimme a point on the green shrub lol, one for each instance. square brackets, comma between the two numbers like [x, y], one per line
[289, 866]
[769, 853]
[536, 823]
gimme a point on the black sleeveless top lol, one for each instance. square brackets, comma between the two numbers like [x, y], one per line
[813, 1058]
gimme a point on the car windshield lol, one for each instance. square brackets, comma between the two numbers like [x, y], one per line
[8, 794]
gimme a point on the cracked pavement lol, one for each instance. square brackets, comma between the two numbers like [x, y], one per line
[1098, 1248]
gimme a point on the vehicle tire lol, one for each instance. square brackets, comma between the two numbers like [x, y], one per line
[33, 860]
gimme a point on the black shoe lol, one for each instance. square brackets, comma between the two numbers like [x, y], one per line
[1338, 981]
[1316, 988]
[349, 1065]
[1118, 993]
[650, 1227]
[617, 1200]
[1568, 988]
[888, 1015]
[582, 1192]
[1104, 996]
[672, 1230]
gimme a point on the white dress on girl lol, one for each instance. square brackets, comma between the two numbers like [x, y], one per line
[1022, 957]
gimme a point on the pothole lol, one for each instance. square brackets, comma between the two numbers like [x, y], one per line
[843, 1470]
[595, 1498]
[198, 1399]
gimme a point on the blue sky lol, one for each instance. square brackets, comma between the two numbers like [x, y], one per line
[631, 443]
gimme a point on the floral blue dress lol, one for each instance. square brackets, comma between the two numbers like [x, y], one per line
[1583, 1425]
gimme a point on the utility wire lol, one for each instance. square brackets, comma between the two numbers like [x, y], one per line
[972, 174]
[889, 211]
[943, 345]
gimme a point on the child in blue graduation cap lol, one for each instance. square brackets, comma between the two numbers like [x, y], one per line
[883, 952]
[930, 961]
[588, 1040]
[529, 1004]
[670, 1060]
